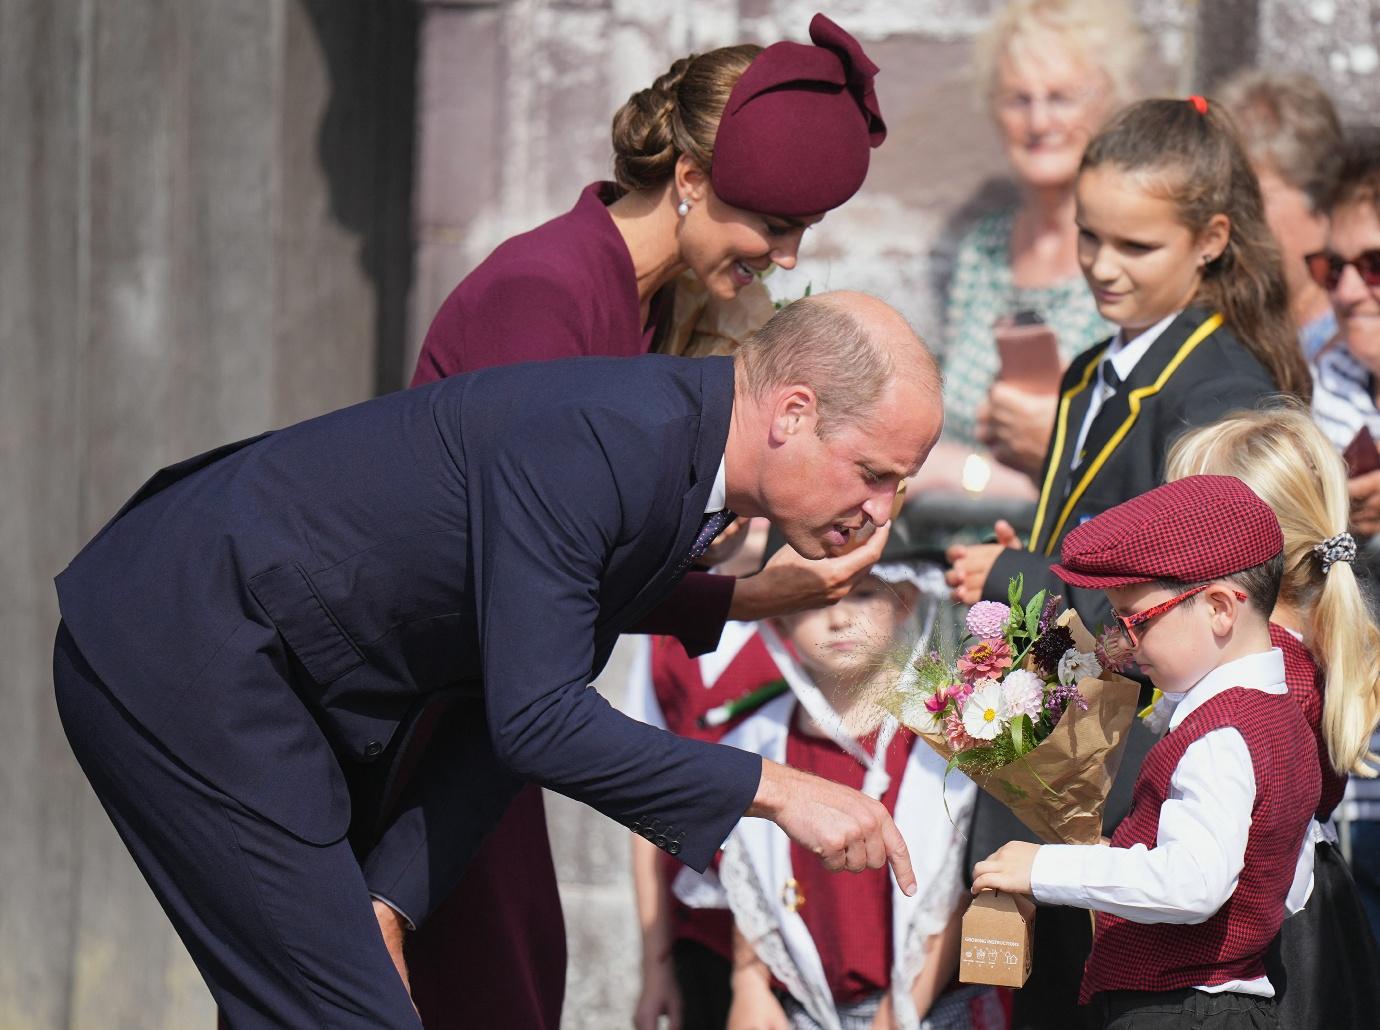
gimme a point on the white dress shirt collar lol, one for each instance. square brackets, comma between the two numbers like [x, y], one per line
[718, 493]
[1261, 671]
[1125, 356]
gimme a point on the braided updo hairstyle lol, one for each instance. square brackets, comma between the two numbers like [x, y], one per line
[678, 114]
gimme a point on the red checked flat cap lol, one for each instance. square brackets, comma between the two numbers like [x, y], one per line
[796, 134]
[1192, 530]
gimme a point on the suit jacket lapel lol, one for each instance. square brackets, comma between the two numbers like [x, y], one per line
[1148, 369]
[1114, 420]
[715, 386]
[1073, 405]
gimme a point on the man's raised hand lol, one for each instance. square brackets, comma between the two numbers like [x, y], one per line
[791, 583]
[846, 829]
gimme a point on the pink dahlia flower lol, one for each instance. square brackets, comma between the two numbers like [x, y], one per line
[988, 619]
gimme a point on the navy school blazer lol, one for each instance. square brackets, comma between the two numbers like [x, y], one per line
[279, 607]
[1196, 372]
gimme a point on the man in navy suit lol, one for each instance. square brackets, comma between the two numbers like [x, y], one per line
[260, 621]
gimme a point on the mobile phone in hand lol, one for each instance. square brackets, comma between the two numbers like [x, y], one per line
[1029, 353]
[1361, 455]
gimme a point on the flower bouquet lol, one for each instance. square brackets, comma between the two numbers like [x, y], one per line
[1032, 710]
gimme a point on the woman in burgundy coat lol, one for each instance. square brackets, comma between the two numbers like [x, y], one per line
[721, 167]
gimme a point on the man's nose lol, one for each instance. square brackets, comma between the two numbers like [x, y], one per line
[877, 508]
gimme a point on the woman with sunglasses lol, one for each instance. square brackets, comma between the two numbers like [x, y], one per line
[1345, 387]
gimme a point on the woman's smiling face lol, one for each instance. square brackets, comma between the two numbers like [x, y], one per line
[727, 247]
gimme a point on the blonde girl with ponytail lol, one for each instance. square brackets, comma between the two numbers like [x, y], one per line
[1332, 663]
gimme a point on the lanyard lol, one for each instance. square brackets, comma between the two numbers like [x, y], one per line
[876, 780]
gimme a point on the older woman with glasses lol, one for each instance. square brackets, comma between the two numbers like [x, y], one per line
[1051, 72]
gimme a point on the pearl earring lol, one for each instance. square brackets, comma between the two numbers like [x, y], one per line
[683, 208]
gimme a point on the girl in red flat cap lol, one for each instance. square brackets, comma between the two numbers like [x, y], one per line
[720, 167]
[1193, 888]
[1326, 948]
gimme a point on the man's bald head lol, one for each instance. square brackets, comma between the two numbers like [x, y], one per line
[848, 347]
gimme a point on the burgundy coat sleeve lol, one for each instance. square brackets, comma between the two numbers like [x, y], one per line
[694, 614]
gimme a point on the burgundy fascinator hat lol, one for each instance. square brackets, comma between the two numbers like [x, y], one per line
[799, 126]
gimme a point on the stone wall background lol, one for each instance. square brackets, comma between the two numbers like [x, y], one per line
[223, 215]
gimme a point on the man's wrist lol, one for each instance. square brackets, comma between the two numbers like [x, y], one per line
[386, 910]
[770, 797]
[751, 600]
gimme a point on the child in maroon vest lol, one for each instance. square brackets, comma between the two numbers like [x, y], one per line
[1193, 888]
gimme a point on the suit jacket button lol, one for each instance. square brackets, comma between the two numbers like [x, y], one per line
[673, 848]
[373, 749]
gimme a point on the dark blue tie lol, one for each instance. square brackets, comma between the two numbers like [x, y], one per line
[711, 527]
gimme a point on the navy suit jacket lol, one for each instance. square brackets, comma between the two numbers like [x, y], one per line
[279, 607]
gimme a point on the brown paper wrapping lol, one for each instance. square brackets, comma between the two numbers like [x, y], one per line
[1059, 789]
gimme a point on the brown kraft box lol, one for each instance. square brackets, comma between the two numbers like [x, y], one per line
[997, 945]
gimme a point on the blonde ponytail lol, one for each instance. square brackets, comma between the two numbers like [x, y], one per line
[1282, 455]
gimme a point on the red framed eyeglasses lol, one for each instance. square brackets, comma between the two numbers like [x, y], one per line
[1128, 623]
[1327, 267]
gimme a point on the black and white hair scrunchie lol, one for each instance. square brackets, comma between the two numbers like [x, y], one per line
[1341, 547]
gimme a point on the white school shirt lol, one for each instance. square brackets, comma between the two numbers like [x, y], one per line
[1200, 844]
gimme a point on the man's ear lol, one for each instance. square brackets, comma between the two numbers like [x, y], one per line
[794, 411]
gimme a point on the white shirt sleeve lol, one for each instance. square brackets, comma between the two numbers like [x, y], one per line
[641, 703]
[1200, 845]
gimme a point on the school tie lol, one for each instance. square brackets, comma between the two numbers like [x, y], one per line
[1108, 384]
[712, 526]
[1111, 382]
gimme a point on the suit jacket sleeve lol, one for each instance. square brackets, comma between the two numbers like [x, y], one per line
[546, 510]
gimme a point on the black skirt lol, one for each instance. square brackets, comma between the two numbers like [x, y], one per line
[1324, 963]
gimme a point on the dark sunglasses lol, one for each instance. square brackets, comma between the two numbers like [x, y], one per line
[1326, 267]
[1128, 623]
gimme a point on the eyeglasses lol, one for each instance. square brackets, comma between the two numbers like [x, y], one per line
[1326, 267]
[1128, 623]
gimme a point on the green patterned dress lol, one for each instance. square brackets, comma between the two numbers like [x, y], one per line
[980, 293]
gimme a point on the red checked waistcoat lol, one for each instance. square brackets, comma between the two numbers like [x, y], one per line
[1230, 945]
[1306, 683]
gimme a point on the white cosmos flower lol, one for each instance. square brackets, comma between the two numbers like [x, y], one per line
[1077, 665]
[982, 712]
